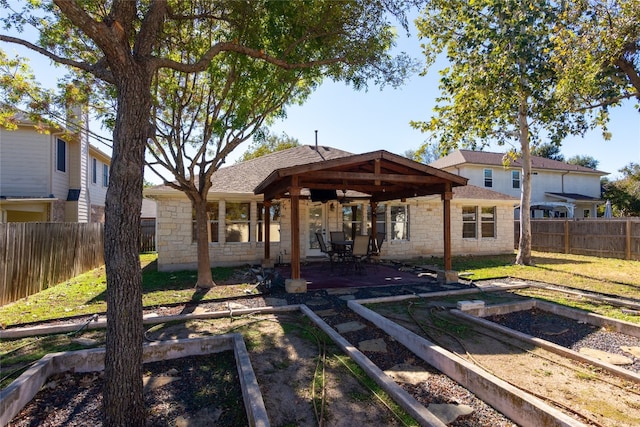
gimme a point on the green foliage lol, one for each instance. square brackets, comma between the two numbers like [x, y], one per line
[624, 193]
[265, 142]
[501, 59]
[549, 151]
[596, 45]
[586, 161]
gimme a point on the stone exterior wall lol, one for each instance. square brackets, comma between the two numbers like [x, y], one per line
[177, 250]
[58, 209]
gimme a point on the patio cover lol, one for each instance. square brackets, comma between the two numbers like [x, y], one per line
[381, 175]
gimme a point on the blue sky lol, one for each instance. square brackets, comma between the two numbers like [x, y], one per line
[379, 119]
[361, 121]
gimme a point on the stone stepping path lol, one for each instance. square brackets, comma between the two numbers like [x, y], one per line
[349, 327]
[376, 345]
[614, 359]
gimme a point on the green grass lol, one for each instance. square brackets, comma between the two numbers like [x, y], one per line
[86, 293]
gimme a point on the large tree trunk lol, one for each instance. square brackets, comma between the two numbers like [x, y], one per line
[205, 279]
[524, 245]
[123, 401]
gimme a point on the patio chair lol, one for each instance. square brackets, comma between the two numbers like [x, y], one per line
[325, 249]
[360, 252]
[336, 236]
[376, 244]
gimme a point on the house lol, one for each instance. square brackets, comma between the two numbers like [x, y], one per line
[558, 189]
[481, 219]
[51, 176]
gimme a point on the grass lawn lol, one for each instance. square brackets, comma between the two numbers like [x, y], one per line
[85, 294]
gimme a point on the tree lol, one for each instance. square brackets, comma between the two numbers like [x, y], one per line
[598, 50]
[501, 84]
[624, 193]
[124, 44]
[586, 161]
[265, 142]
[549, 151]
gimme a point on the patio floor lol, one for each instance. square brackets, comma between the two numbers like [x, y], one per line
[320, 275]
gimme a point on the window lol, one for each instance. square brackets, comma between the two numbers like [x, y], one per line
[61, 156]
[237, 219]
[399, 222]
[469, 222]
[105, 175]
[212, 226]
[488, 221]
[274, 223]
[351, 220]
[515, 179]
[488, 178]
[94, 170]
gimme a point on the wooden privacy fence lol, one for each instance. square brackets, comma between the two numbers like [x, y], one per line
[147, 235]
[34, 256]
[608, 238]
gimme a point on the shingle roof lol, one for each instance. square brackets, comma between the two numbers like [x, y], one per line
[576, 196]
[473, 192]
[459, 157]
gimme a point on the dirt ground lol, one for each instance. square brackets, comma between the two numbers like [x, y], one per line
[583, 391]
[301, 375]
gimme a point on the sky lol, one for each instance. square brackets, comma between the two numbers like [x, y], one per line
[378, 119]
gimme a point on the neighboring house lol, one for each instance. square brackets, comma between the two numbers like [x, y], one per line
[558, 189]
[482, 220]
[52, 176]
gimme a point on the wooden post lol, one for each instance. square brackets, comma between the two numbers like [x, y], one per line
[628, 240]
[446, 201]
[374, 219]
[567, 246]
[267, 230]
[294, 192]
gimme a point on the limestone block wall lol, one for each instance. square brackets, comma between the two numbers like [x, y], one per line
[177, 250]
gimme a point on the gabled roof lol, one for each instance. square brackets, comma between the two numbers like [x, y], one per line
[381, 174]
[485, 158]
[244, 177]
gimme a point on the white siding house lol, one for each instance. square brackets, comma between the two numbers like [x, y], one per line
[46, 176]
[482, 220]
[558, 189]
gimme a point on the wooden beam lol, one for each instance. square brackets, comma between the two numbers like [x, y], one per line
[323, 176]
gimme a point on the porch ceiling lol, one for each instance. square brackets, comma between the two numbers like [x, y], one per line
[381, 174]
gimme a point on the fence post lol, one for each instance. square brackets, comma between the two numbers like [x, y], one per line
[628, 240]
[567, 247]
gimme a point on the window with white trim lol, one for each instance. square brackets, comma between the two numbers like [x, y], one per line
[94, 170]
[515, 179]
[237, 221]
[469, 222]
[212, 223]
[399, 222]
[351, 220]
[105, 175]
[61, 156]
[488, 177]
[488, 221]
[274, 222]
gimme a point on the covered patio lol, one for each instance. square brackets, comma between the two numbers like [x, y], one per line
[381, 176]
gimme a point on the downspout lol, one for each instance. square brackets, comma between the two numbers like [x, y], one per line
[562, 180]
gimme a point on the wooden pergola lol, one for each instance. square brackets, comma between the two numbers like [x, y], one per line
[382, 175]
